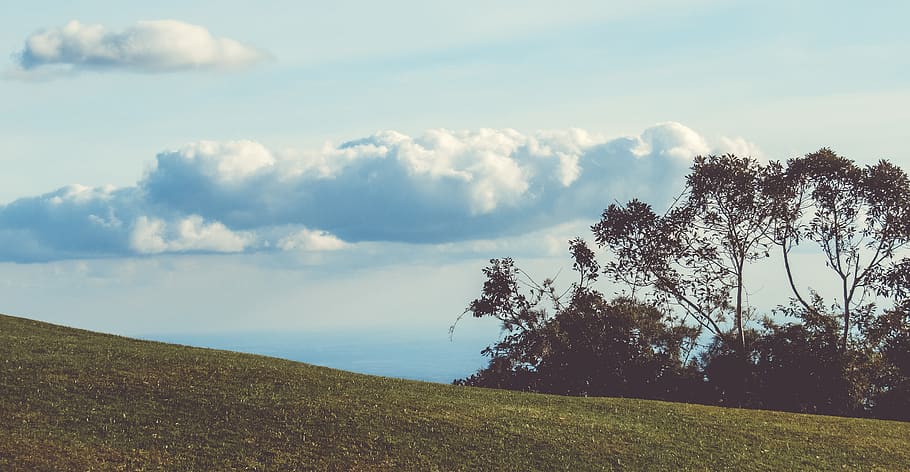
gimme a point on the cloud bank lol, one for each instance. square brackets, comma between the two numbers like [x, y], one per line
[147, 46]
[440, 187]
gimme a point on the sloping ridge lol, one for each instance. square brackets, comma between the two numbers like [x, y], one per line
[77, 400]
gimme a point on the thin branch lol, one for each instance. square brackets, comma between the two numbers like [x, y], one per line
[786, 252]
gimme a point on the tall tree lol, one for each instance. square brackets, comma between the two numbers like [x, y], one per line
[731, 215]
[695, 255]
[858, 217]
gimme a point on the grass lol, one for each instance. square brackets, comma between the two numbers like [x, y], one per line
[77, 400]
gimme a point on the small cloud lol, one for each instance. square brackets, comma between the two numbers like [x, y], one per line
[147, 46]
[154, 236]
[309, 240]
[224, 162]
[674, 140]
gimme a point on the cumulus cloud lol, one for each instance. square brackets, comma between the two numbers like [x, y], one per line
[147, 46]
[442, 186]
[154, 236]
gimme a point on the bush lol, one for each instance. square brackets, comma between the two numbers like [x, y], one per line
[593, 347]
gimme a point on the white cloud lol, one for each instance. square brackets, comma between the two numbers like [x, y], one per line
[147, 46]
[673, 140]
[223, 162]
[481, 161]
[148, 236]
[154, 236]
[440, 187]
[82, 193]
[429, 187]
[309, 240]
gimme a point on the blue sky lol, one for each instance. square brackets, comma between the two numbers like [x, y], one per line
[202, 167]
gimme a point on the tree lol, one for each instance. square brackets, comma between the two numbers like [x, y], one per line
[652, 253]
[587, 346]
[730, 216]
[887, 337]
[696, 253]
[520, 315]
[858, 217]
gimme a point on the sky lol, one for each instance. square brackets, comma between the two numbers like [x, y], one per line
[180, 168]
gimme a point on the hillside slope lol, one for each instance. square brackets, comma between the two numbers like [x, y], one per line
[77, 400]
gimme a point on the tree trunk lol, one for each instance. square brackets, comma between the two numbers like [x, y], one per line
[846, 319]
[741, 335]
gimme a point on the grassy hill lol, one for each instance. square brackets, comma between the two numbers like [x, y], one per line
[77, 400]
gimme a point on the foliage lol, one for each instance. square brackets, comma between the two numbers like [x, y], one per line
[888, 336]
[792, 367]
[618, 349]
[652, 252]
[588, 346]
[592, 347]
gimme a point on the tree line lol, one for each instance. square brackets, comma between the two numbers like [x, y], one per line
[682, 330]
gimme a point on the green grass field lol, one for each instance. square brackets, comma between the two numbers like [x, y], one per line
[77, 400]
